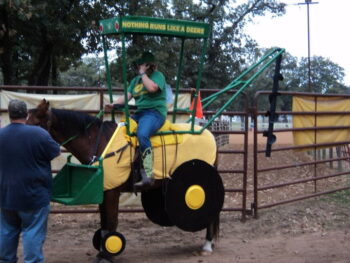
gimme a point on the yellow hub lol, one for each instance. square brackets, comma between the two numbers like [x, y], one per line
[113, 244]
[195, 197]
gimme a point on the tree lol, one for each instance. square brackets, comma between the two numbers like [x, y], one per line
[39, 39]
[89, 73]
[326, 76]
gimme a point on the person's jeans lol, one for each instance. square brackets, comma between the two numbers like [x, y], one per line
[149, 122]
[32, 224]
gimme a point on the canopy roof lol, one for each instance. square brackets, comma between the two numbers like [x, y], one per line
[154, 26]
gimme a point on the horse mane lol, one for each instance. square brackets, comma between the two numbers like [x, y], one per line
[70, 122]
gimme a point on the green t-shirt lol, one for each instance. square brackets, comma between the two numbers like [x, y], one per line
[147, 100]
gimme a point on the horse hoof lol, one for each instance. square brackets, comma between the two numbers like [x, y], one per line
[205, 253]
[103, 258]
[202, 253]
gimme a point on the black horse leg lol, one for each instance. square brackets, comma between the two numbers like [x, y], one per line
[211, 234]
[109, 210]
[108, 218]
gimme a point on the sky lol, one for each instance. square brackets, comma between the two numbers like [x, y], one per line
[329, 33]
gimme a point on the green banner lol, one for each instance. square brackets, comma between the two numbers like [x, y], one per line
[154, 26]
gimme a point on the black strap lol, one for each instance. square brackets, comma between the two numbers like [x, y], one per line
[108, 155]
[176, 148]
[97, 144]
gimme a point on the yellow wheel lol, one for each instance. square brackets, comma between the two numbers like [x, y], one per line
[114, 243]
[195, 197]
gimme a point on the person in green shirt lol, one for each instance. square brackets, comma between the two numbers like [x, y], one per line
[148, 89]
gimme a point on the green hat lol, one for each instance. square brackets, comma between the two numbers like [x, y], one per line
[146, 57]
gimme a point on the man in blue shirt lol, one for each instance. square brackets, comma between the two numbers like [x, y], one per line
[25, 185]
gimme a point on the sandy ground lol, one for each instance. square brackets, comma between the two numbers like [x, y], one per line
[316, 230]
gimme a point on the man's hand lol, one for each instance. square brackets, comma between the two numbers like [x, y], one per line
[143, 68]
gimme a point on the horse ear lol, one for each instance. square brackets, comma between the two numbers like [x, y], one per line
[43, 106]
[45, 103]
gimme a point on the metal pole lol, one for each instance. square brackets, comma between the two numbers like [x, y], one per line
[308, 3]
[308, 43]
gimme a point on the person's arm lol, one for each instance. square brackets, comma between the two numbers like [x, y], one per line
[51, 149]
[149, 84]
[119, 101]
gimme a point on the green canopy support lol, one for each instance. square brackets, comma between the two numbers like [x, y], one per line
[177, 87]
[263, 63]
[125, 83]
[159, 27]
[198, 83]
[184, 30]
[109, 83]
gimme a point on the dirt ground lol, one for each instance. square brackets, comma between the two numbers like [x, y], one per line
[315, 230]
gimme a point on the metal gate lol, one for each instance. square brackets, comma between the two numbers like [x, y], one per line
[250, 177]
[306, 170]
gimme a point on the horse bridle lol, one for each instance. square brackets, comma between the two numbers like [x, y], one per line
[49, 125]
[94, 157]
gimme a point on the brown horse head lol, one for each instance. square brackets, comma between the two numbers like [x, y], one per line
[40, 116]
[81, 134]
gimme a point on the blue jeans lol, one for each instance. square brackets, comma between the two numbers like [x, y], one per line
[149, 122]
[32, 224]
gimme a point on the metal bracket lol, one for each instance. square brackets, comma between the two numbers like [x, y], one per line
[271, 138]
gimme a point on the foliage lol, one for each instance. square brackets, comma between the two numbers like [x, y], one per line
[229, 47]
[326, 77]
[43, 43]
[342, 197]
[88, 73]
[40, 39]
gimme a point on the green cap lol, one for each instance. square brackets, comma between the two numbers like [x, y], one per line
[146, 57]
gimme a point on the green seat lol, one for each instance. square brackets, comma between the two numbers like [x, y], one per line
[77, 184]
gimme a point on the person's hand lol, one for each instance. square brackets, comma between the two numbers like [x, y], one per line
[108, 107]
[143, 68]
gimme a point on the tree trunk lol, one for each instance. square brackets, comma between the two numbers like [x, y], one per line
[41, 71]
[5, 48]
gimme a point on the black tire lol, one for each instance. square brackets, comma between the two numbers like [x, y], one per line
[96, 239]
[194, 174]
[153, 202]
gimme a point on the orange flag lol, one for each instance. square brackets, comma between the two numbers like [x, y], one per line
[199, 111]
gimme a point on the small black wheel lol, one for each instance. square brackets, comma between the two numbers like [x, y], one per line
[153, 202]
[113, 243]
[96, 240]
[194, 196]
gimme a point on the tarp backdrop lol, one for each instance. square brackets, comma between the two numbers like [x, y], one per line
[322, 104]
